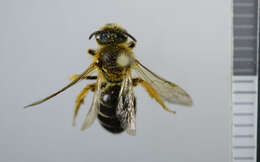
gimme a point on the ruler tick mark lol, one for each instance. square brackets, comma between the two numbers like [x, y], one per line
[243, 114]
[243, 136]
[245, 15]
[243, 158]
[244, 147]
[243, 81]
[243, 48]
[243, 125]
[244, 92]
[243, 103]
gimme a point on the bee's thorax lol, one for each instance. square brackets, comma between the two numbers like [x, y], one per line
[114, 61]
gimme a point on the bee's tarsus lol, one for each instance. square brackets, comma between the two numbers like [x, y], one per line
[92, 52]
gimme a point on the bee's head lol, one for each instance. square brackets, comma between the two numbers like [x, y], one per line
[111, 34]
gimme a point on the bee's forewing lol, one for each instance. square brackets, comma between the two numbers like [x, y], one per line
[89, 70]
[126, 108]
[168, 91]
[94, 108]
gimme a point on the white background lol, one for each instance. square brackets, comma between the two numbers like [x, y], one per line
[43, 42]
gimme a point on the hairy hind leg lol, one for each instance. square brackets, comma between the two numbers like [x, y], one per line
[80, 99]
[152, 92]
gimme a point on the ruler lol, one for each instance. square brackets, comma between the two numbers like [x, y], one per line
[245, 82]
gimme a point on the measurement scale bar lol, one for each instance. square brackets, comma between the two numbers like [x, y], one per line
[245, 81]
[244, 118]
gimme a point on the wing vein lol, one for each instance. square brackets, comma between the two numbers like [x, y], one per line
[90, 69]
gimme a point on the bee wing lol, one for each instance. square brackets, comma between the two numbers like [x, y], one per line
[89, 70]
[94, 108]
[168, 91]
[126, 109]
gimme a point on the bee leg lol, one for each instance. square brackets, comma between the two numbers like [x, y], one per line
[90, 77]
[80, 100]
[152, 92]
[137, 81]
[131, 44]
[74, 76]
[92, 52]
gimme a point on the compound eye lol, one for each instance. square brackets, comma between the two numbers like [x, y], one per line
[108, 37]
[98, 37]
[103, 38]
[121, 37]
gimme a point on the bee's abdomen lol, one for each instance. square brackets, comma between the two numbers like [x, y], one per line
[107, 114]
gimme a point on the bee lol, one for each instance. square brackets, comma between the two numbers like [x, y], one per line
[114, 102]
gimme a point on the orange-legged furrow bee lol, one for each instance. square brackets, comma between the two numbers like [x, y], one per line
[114, 103]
